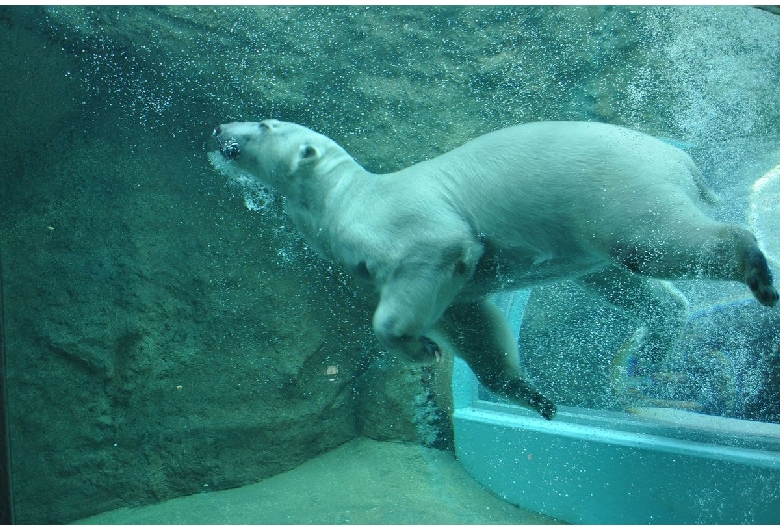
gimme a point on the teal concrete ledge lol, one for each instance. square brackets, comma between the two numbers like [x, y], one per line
[595, 467]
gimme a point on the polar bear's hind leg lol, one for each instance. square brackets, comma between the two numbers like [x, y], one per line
[708, 250]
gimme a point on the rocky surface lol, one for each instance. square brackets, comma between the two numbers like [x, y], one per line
[361, 482]
[159, 339]
[162, 339]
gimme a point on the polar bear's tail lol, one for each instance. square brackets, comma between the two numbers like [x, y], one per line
[705, 192]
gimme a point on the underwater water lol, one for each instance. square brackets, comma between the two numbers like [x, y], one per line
[170, 339]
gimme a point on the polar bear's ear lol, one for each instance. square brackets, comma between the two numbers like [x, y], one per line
[307, 153]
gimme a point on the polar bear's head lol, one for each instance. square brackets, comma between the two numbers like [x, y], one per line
[281, 155]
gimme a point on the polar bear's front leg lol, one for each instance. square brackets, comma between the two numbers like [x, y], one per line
[481, 336]
[399, 321]
[418, 291]
[408, 306]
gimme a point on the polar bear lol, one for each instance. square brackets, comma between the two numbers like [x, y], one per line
[518, 207]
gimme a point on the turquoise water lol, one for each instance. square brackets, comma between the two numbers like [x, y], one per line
[167, 331]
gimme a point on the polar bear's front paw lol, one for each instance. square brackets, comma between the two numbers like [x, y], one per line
[543, 406]
[525, 394]
[431, 348]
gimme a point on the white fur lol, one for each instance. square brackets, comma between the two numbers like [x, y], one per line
[514, 208]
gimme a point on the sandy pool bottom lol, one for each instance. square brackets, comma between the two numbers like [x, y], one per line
[361, 482]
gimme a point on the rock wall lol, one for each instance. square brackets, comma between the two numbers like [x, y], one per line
[161, 339]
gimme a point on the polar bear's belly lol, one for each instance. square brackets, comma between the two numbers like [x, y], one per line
[512, 269]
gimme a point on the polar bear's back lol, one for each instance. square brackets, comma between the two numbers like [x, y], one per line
[575, 154]
[536, 185]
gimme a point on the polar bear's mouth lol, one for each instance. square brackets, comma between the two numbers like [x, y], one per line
[230, 148]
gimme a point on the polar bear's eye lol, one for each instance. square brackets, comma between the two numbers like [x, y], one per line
[264, 126]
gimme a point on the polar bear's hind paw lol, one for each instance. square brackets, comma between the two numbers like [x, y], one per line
[759, 278]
